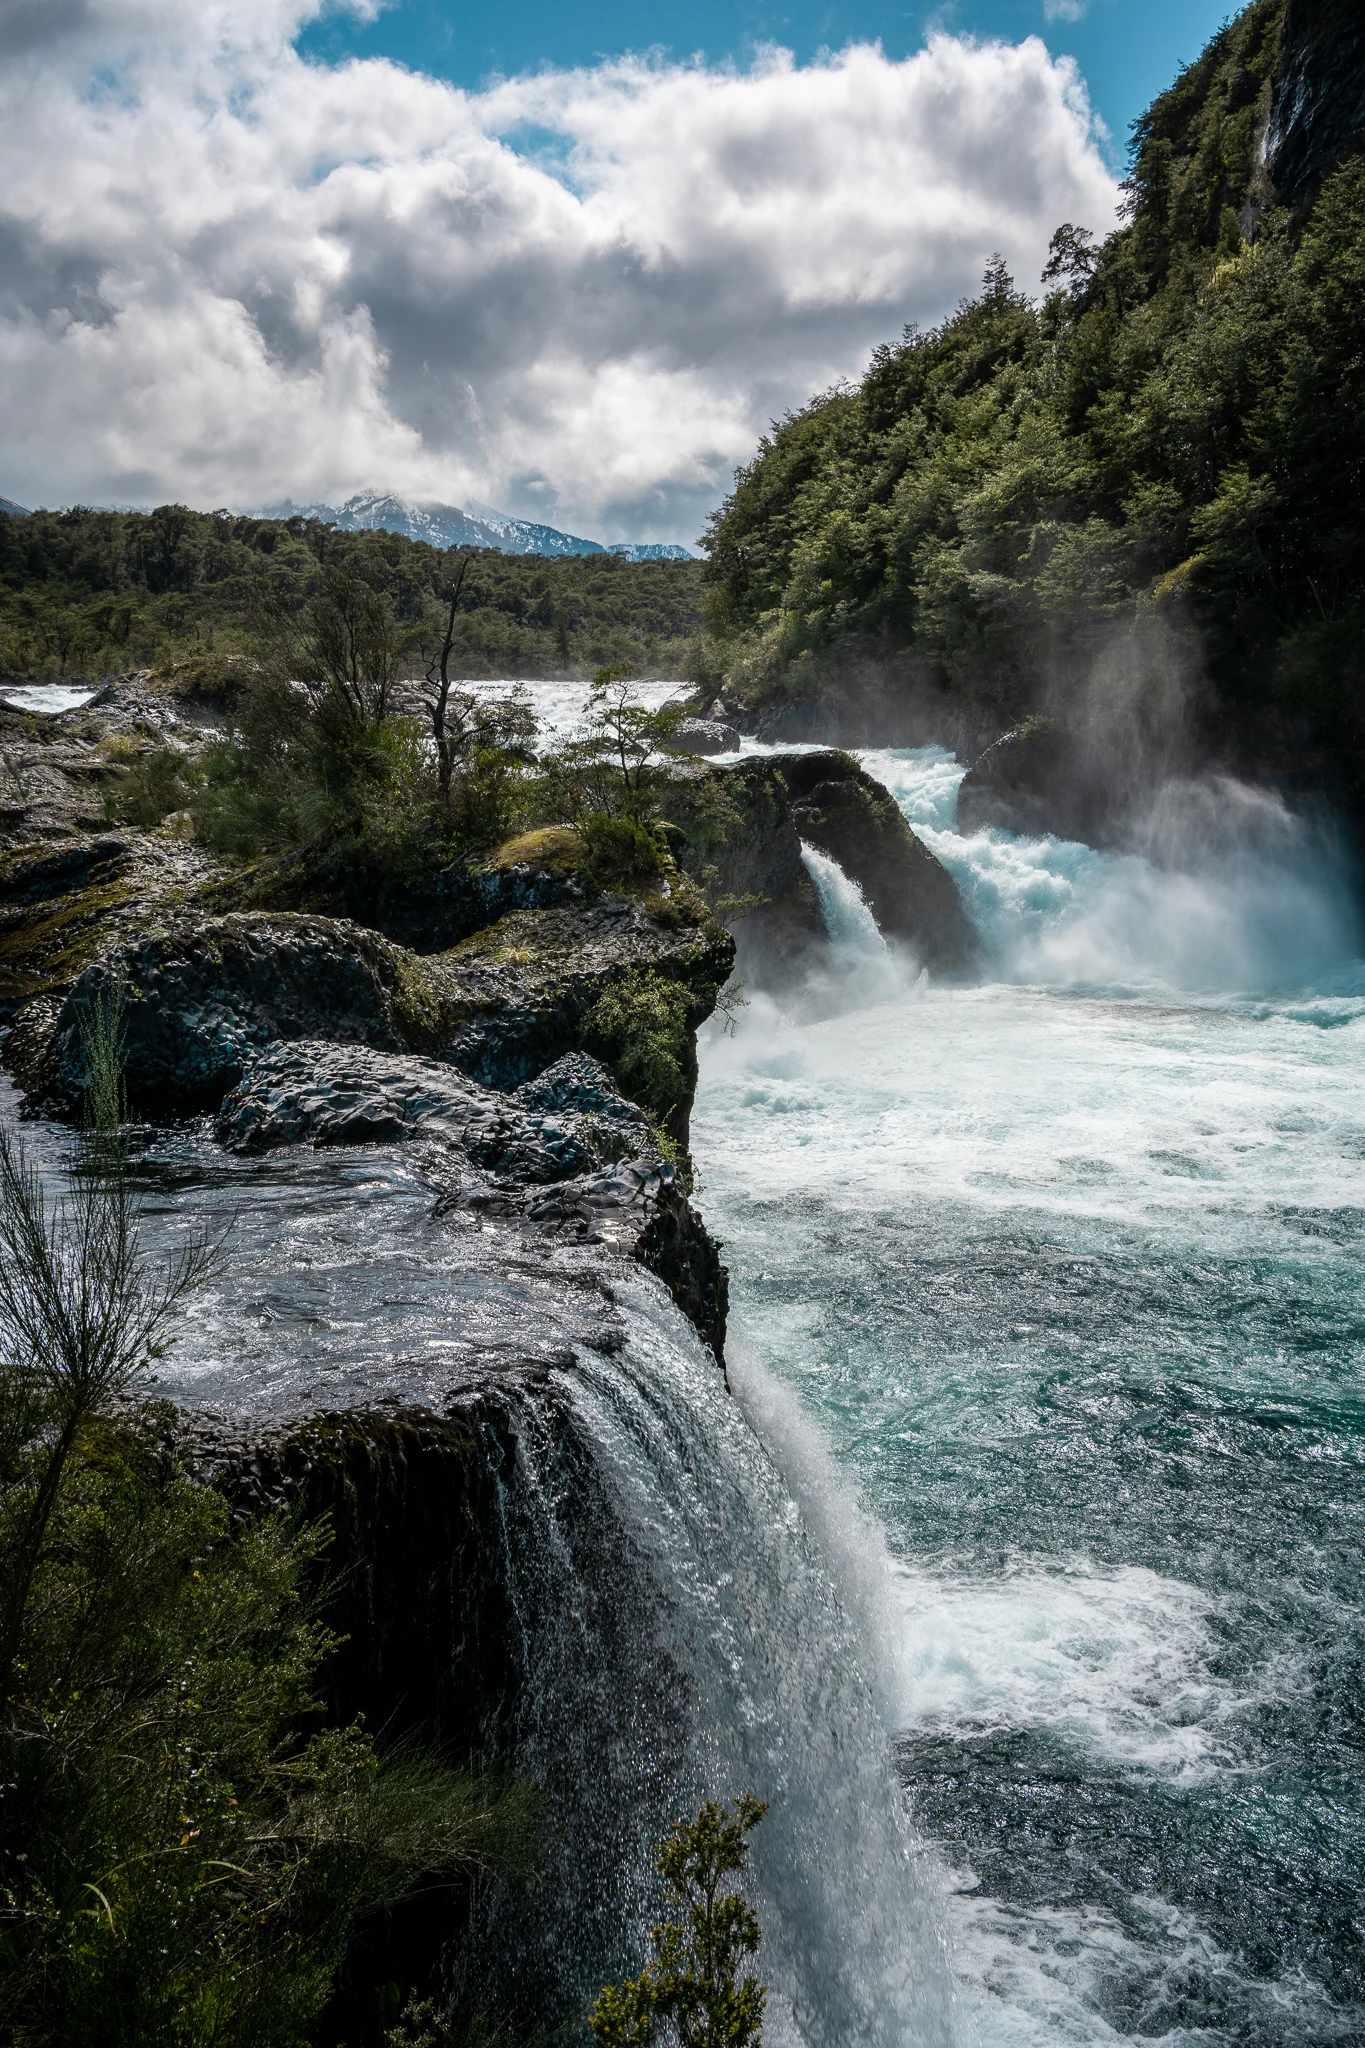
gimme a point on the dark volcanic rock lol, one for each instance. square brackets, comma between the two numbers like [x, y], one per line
[303, 1091]
[1041, 781]
[1317, 111]
[202, 1001]
[706, 736]
[841, 809]
[578, 1082]
[737, 841]
[431, 916]
[204, 997]
[637, 1210]
[35, 874]
[487, 1601]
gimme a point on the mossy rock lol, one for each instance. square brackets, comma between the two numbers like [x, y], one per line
[555, 849]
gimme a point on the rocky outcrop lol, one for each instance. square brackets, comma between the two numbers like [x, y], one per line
[437, 911]
[739, 835]
[705, 736]
[1317, 114]
[203, 998]
[199, 1002]
[564, 1158]
[62, 903]
[1040, 780]
[309, 1092]
[839, 808]
[731, 830]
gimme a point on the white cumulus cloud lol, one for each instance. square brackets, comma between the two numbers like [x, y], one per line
[231, 276]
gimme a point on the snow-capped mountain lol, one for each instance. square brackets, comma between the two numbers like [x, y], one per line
[442, 526]
[651, 551]
[8, 505]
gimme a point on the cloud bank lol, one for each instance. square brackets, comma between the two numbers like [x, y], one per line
[231, 276]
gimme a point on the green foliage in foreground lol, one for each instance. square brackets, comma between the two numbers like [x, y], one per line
[185, 1851]
[1177, 430]
[692, 1987]
[642, 1028]
[96, 593]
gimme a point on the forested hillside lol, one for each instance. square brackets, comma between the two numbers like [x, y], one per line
[93, 593]
[1154, 469]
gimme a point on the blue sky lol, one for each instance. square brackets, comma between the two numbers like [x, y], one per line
[1128, 50]
[509, 267]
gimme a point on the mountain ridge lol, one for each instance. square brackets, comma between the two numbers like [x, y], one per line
[456, 526]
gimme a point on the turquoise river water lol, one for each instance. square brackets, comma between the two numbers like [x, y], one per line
[1048, 1300]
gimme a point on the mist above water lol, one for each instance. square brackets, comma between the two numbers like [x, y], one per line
[1231, 891]
[1047, 1299]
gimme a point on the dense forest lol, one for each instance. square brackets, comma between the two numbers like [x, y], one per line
[1155, 468]
[94, 593]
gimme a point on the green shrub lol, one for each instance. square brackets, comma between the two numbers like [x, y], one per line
[693, 1982]
[620, 851]
[157, 783]
[641, 1028]
[184, 1852]
[181, 1859]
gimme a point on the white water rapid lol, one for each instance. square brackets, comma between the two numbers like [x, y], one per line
[1048, 1301]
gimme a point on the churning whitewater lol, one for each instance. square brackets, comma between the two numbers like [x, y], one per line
[1048, 1302]
[1024, 1576]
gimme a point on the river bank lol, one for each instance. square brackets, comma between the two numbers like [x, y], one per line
[1021, 1576]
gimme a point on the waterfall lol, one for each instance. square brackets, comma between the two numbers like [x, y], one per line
[684, 1641]
[850, 924]
[1235, 891]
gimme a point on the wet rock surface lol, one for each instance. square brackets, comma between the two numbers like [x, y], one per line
[1317, 112]
[64, 903]
[313, 1092]
[1042, 779]
[706, 736]
[841, 810]
[56, 768]
[737, 840]
[203, 997]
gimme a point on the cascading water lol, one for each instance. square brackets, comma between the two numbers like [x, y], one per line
[678, 1631]
[861, 967]
[725, 1665]
[850, 924]
[1047, 1298]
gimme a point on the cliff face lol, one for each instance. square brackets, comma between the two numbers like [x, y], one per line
[1317, 113]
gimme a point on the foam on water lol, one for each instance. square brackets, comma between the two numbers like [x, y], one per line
[48, 698]
[1049, 1304]
[561, 708]
[1254, 898]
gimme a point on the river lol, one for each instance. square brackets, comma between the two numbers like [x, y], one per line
[1048, 1300]
[1040, 1623]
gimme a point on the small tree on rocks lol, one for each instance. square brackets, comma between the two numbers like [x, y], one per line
[693, 1982]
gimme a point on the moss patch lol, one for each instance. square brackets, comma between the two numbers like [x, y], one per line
[641, 1028]
[557, 849]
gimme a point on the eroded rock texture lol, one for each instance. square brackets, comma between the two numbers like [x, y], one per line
[202, 999]
[1318, 108]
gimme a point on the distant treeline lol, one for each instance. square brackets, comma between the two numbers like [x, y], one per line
[1162, 461]
[87, 593]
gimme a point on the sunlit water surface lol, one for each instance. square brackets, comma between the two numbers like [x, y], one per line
[1048, 1297]
[1048, 1302]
